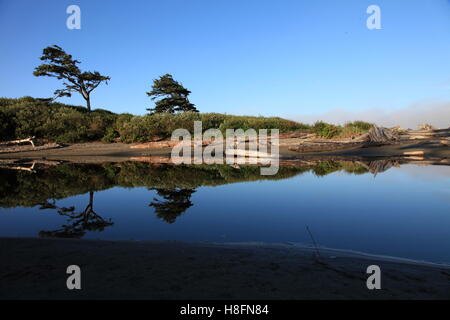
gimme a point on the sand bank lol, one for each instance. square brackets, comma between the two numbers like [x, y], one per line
[36, 269]
[116, 152]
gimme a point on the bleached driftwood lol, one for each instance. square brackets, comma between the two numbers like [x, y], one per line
[425, 134]
[382, 135]
[20, 168]
[323, 146]
[414, 153]
[30, 140]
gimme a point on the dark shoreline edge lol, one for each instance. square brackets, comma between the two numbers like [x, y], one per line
[36, 269]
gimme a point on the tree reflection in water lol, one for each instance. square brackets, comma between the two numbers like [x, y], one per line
[176, 201]
[174, 186]
[80, 222]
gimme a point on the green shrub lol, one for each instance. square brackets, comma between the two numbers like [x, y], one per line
[7, 126]
[65, 125]
[212, 120]
[27, 116]
[326, 130]
[110, 135]
[161, 125]
[360, 125]
[144, 128]
[355, 128]
[257, 123]
[350, 129]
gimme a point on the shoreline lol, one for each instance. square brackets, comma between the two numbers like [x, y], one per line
[96, 152]
[34, 268]
[342, 253]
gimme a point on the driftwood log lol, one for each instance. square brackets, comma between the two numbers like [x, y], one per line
[421, 134]
[382, 135]
[375, 137]
[326, 146]
[29, 140]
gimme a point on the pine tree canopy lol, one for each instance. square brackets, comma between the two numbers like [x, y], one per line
[170, 96]
[62, 66]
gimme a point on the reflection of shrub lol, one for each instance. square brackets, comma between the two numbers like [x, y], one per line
[326, 167]
[19, 188]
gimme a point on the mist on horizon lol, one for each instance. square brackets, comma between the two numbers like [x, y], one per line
[435, 113]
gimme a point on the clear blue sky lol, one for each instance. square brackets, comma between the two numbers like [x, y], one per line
[281, 57]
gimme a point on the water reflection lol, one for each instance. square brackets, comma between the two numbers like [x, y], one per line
[173, 185]
[78, 222]
[20, 188]
[176, 201]
[343, 209]
[379, 166]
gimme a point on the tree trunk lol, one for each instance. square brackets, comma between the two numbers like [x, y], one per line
[90, 207]
[88, 103]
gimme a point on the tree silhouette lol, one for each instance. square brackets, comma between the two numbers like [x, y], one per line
[176, 201]
[62, 66]
[173, 97]
[80, 222]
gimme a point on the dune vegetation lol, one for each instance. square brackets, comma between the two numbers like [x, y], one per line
[57, 122]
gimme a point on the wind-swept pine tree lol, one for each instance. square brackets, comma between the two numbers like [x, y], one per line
[62, 66]
[170, 96]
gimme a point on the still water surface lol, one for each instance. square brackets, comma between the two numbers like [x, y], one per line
[403, 211]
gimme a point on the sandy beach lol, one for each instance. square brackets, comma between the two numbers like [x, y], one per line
[36, 269]
[95, 152]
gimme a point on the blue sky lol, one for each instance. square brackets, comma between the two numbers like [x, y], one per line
[294, 59]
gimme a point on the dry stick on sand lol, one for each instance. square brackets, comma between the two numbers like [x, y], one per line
[329, 267]
[315, 244]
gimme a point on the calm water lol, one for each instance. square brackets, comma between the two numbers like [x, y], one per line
[403, 211]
